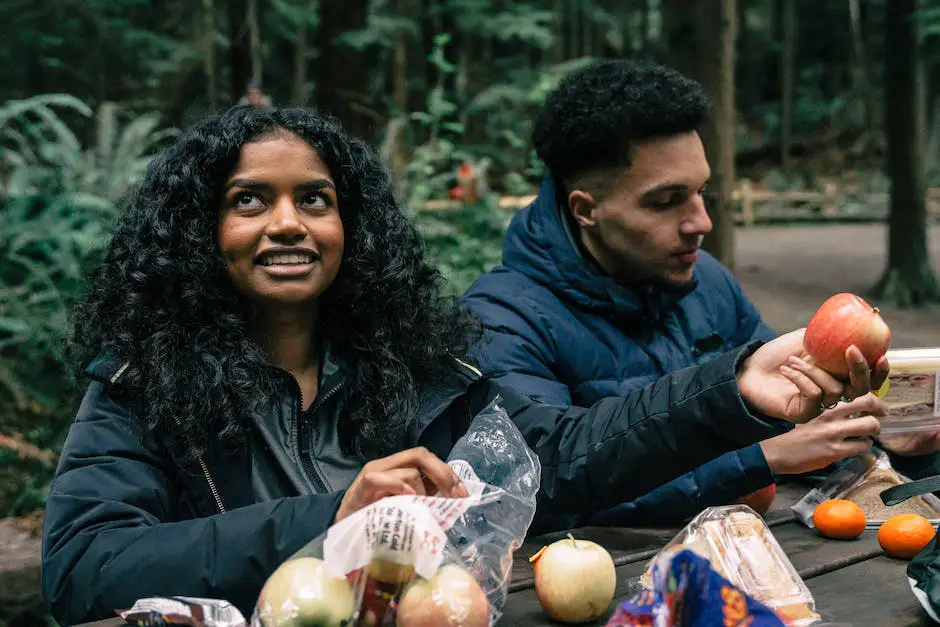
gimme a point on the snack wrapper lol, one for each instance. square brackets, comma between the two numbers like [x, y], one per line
[741, 548]
[688, 592]
[416, 561]
[188, 611]
[912, 391]
[861, 480]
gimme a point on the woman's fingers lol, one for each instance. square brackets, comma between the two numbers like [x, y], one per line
[880, 373]
[856, 447]
[376, 485]
[860, 382]
[436, 475]
[826, 389]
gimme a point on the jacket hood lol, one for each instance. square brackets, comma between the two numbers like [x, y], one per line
[541, 244]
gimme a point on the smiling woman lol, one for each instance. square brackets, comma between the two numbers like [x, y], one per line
[269, 352]
[280, 231]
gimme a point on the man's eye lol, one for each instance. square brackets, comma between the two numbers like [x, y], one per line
[667, 203]
[243, 198]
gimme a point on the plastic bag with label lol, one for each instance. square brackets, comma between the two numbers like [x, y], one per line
[414, 561]
[688, 592]
[861, 480]
[741, 548]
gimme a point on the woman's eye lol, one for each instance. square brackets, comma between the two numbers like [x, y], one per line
[314, 200]
[244, 199]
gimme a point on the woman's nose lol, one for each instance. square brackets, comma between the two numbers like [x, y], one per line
[285, 222]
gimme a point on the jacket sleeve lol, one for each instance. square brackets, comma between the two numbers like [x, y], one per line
[721, 481]
[621, 448]
[515, 350]
[111, 536]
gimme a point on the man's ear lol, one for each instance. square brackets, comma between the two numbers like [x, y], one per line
[582, 206]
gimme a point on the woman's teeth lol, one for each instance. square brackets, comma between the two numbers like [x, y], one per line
[278, 260]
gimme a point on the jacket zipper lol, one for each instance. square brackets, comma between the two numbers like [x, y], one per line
[212, 488]
[205, 473]
[304, 448]
[303, 433]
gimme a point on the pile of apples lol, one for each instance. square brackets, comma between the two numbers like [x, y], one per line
[300, 593]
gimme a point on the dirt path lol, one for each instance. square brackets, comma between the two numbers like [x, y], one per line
[788, 271]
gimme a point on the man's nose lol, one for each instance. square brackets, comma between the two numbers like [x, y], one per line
[285, 222]
[697, 221]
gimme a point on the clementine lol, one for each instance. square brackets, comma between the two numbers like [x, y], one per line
[905, 535]
[839, 519]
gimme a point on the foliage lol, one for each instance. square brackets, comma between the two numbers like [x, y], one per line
[58, 204]
[465, 242]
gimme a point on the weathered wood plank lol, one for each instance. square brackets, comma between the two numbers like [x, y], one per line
[636, 544]
[874, 593]
[811, 555]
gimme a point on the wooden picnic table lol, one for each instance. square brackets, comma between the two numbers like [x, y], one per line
[852, 582]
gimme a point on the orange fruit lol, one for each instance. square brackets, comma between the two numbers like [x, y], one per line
[840, 519]
[905, 535]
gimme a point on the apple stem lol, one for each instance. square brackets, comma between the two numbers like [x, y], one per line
[573, 542]
[876, 310]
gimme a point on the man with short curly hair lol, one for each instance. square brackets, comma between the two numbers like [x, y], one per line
[603, 285]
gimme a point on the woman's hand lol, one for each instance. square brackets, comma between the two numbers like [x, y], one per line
[844, 431]
[414, 471]
[912, 444]
[780, 381]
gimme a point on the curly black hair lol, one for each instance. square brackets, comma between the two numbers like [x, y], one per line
[161, 300]
[591, 119]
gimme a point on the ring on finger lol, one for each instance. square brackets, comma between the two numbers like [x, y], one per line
[845, 399]
[832, 406]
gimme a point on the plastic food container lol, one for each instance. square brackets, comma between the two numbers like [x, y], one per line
[742, 549]
[912, 391]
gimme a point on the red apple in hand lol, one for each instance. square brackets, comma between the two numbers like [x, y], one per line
[844, 320]
[760, 500]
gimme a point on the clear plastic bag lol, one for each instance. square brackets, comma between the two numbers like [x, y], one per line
[416, 561]
[912, 391]
[861, 480]
[688, 592]
[742, 549]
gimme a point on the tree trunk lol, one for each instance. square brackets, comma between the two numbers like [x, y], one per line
[558, 47]
[239, 54]
[342, 72]
[715, 32]
[679, 36]
[208, 56]
[254, 37]
[860, 69]
[300, 65]
[909, 280]
[786, 83]
[644, 27]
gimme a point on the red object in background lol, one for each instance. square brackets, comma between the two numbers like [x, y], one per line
[467, 184]
[760, 500]
[456, 193]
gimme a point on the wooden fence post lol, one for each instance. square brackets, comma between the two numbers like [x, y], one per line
[831, 202]
[747, 203]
